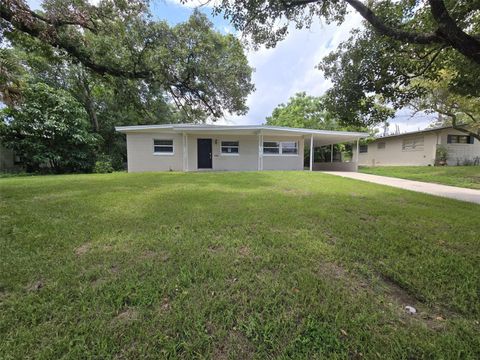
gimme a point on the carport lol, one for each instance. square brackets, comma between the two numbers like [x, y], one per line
[325, 138]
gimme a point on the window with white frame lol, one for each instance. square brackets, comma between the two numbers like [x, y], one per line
[271, 147]
[280, 147]
[289, 147]
[362, 149]
[412, 143]
[229, 147]
[163, 146]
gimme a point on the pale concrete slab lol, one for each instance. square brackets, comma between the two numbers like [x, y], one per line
[452, 192]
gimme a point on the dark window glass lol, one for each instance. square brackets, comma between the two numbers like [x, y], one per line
[271, 147]
[459, 139]
[363, 148]
[162, 146]
[229, 147]
[289, 147]
[229, 150]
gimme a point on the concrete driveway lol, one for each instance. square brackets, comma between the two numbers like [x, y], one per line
[451, 192]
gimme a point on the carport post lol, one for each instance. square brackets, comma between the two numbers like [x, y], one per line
[358, 149]
[311, 152]
[331, 153]
[260, 150]
[185, 152]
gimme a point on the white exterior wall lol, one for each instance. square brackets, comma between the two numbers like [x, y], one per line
[247, 159]
[284, 162]
[140, 155]
[393, 155]
[458, 153]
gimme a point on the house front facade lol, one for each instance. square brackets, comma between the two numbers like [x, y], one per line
[420, 147]
[186, 147]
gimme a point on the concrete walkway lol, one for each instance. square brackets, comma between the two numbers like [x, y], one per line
[451, 192]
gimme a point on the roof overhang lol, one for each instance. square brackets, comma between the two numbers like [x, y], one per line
[320, 137]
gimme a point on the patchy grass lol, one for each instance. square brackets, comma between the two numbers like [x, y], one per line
[234, 265]
[462, 176]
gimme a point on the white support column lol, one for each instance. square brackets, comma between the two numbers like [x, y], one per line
[260, 151]
[311, 152]
[331, 153]
[358, 151]
[185, 152]
[186, 142]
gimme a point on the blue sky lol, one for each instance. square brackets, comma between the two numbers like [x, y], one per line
[286, 69]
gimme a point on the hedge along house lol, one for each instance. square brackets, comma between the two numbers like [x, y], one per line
[419, 148]
[186, 147]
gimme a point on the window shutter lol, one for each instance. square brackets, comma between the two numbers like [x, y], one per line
[472, 139]
[449, 139]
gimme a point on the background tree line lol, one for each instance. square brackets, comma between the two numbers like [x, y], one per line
[72, 72]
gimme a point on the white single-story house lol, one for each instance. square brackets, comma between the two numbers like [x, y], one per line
[419, 148]
[187, 147]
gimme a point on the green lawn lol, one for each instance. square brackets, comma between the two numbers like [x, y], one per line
[234, 265]
[463, 176]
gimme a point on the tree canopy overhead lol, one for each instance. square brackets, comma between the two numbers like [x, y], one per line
[404, 46]
[199, 69]
[445, 23]
[306, 111]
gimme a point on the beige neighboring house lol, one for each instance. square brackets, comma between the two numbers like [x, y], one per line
[419, 148]
[8, 160]
[187, 147]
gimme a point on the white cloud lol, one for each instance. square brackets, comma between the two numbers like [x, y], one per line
[407, 120]
[290, 67]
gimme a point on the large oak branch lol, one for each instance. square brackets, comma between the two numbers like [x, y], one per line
[22, 19]
[397, 34]
[453, 34]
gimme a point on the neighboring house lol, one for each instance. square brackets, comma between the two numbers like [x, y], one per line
[419, 148]
[8, 160]
[186, 147]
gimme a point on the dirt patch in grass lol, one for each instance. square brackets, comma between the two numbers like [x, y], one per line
[127, 315]
[355, 195]
[35, 286]
[244, 251]
[396, 297]
[165, 306]
[215, 248]
[83, 249]
[398, 293]
[433, 318]
[297, 192]
[235, 346]
[368, 218]
[163, 256]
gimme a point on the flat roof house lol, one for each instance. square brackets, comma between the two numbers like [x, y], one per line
[419, 148]
[187, 147]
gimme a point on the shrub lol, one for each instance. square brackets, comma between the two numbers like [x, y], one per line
[49, 130]
[103, 165]
[441, 155]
